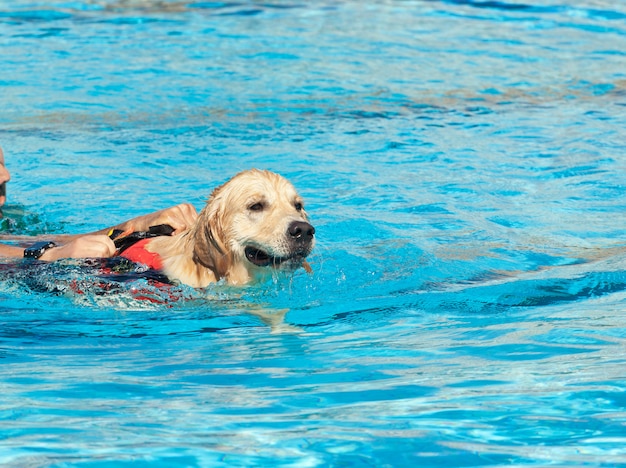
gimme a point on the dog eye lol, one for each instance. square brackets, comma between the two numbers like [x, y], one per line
[256, 207]
[299, 206]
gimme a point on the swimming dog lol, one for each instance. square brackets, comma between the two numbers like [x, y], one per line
[253, 224]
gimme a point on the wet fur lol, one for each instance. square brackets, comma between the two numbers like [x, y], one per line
[213, 249]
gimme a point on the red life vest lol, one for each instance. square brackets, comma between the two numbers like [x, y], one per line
[139, 254]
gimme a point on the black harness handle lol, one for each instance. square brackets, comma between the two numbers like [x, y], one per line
[122, 243]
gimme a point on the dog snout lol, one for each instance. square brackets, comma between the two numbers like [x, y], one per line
[301, 231]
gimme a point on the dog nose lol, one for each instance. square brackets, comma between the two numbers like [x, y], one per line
[301, 231]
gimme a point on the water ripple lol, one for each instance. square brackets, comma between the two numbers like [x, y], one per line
[462, 162]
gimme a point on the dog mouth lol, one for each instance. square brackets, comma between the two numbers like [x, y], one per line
[261, 258]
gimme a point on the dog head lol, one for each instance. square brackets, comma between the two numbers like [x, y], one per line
[253, 223]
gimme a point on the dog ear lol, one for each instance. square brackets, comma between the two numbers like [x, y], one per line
[209, 249]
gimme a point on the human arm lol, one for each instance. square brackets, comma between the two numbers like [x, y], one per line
[11, 251]
[88, 246]
[98, 244]
[180, 217]
[81, 247]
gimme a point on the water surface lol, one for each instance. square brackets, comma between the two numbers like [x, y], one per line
[463, 165]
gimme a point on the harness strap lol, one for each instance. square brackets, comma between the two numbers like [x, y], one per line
[124, 239]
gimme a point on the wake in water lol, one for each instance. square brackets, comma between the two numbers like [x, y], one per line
[95, 282]
[106, 283]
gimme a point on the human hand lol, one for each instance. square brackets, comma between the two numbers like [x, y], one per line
[89, 246]
[180, 217]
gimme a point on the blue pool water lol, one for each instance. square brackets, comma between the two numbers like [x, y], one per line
[463, 163]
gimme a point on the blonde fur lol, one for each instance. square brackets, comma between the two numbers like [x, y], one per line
[255, 211]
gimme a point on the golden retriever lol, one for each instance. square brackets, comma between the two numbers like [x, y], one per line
[252, 224]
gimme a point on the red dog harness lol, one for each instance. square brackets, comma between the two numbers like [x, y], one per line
[139, 254]
[132, 245]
